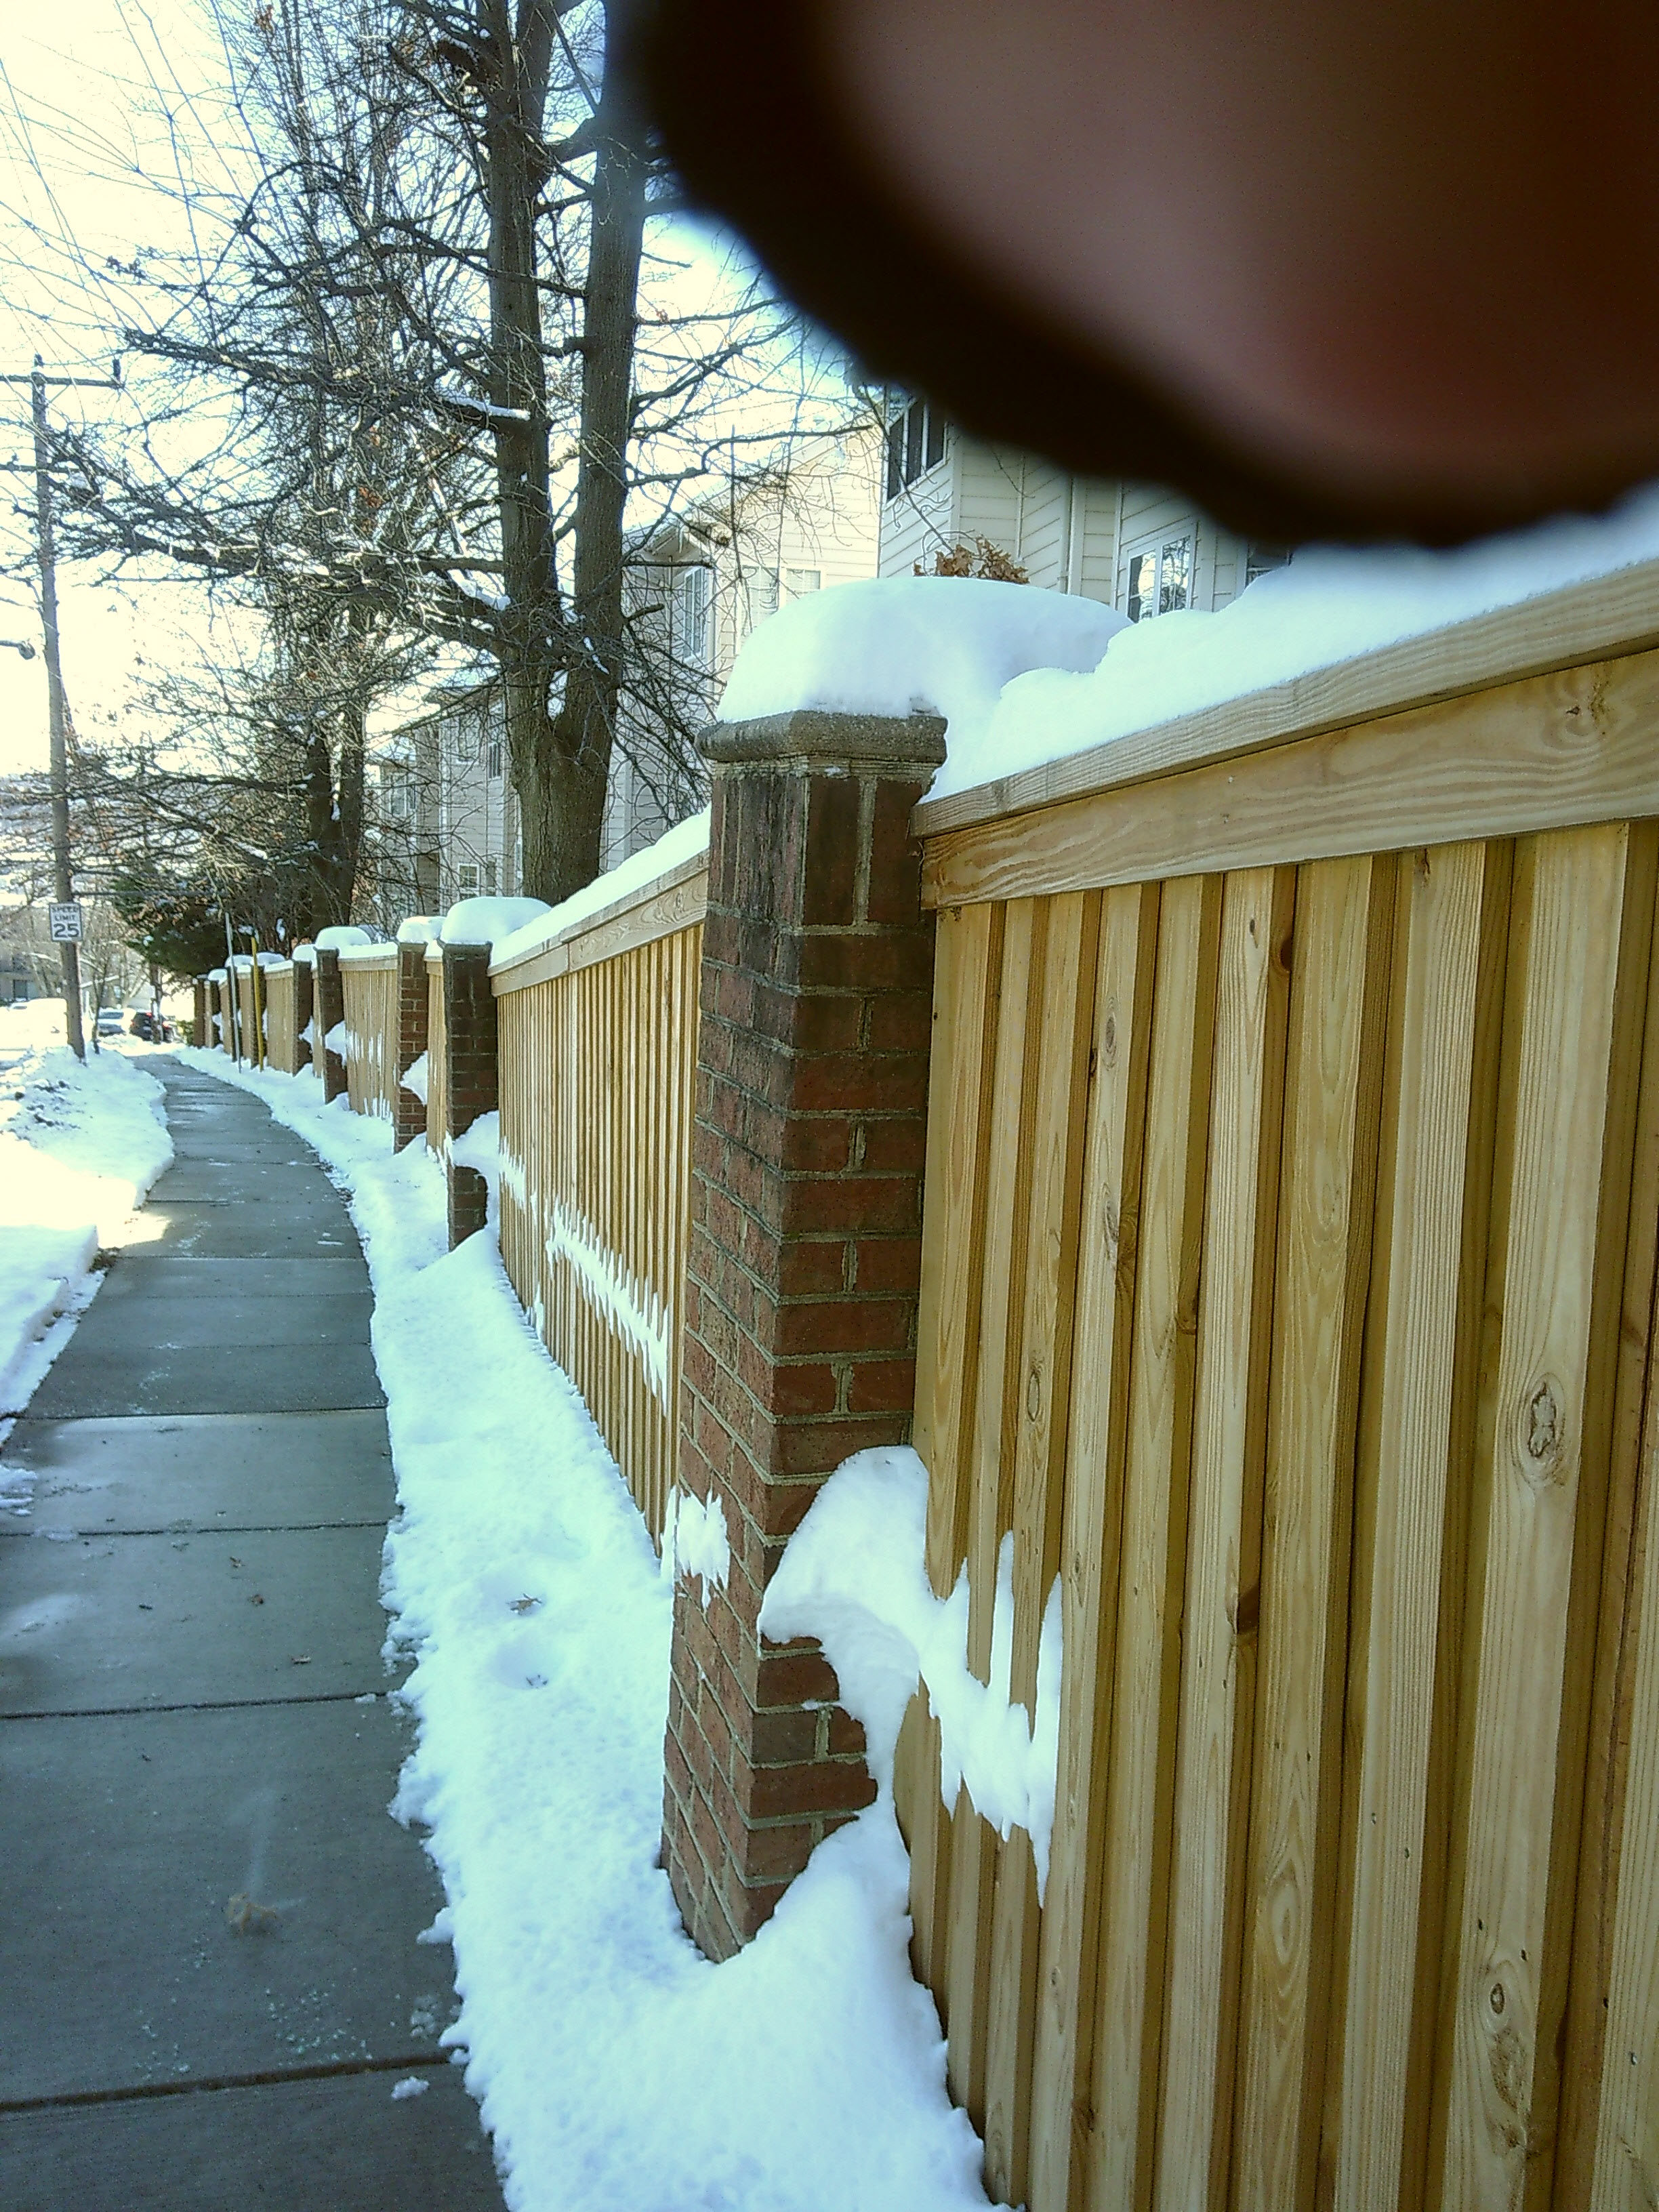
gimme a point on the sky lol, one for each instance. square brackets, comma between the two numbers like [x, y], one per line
[88, 171]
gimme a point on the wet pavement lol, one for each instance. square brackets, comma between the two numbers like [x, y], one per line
[209, 1977]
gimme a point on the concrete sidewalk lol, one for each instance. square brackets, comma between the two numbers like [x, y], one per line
[193, 1710]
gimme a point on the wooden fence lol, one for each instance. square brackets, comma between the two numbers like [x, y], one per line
[598, 1050]
[1288, 1288]
[281, 1044]
[368, 983]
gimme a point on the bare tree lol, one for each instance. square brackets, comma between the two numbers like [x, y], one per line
[430, 383]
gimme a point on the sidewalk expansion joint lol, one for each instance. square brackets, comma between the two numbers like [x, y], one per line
[324, 2070]
[197, 1705]
[194, 1529]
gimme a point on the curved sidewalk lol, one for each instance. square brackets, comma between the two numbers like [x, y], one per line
[193, 1712]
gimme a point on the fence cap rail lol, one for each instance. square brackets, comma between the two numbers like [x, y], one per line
[821, 734]
[1601, 618]
[676, 899]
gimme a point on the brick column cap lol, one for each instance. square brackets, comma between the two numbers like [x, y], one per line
[818, 737]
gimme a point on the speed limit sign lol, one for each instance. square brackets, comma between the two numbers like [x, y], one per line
[66, 922]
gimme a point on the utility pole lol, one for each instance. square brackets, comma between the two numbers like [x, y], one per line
[45, 548]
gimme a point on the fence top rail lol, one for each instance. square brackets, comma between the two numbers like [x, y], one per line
[1604, 617]
[368, 955]
[673, 899]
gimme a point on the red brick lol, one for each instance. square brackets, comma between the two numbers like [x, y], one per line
[882, 1386]
[806, 1386]
[776, 1852]
[902, 962]
[821, 1786]
[814, 1266]
[860, 1082]
[887, 1263]
[898, 1146]
[871, 1205]
[832, 852]
[847, 1737]
[900, 1021]
[784, 1737]
[855, 1324]
[792, 1674]
[819, 1447]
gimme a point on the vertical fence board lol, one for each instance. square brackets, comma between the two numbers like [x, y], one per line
[1333, 1084]
[1134, 1844]
[967, 983]
[990, 1512]
[1041, 1374]
[1222, 1588]
[1443, 910]
[1516, 1819]
[1108, 1233]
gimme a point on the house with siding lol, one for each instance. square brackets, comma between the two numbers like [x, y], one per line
[1137, 547]
[446, 818]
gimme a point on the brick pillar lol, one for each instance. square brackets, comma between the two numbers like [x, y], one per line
[329, 1007]
[201, 1028]
[469, 1089]
[305, 1055]
[409, 1113]
[800, 1345]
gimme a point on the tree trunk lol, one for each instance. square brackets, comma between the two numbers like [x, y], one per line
[586, 721]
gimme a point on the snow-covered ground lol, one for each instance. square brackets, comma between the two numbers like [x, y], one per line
[79, 1147]
[617, 2069]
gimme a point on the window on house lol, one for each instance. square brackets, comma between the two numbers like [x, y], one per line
[495, 758]
[466, 741]
[761, 589]
[467, 881]
[691, 598]
[399, 786]
[1159, 579]
[916, 443]
[799, 581]
[1261, 558]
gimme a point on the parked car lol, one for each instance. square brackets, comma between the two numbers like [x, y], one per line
[154, 1029]
[108, 1022]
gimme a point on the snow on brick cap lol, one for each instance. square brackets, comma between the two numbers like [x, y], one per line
[340, 934]
[420, 929]
[893, 645]
[488, 920]
[306, 954]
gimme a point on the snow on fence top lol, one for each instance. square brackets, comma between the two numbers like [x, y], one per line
[489, 921]
[674, 854]
[339, 935]
[1014, 701]
[420, 929]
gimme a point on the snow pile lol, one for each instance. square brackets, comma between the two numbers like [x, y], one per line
[420, 929]
[684, 842]
[338, 935]
[1019, 690]
[489, 921]
[414, 1078]
[854, 1575]
[79, 1147]
[305, 955]
[335, 1040]
[615, 2066]
[890, 645]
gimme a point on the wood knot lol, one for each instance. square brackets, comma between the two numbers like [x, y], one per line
[1497, 1999]
[1246, 1610]
[1109, 1038]
[1543, 1422]
[1034, 1394]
